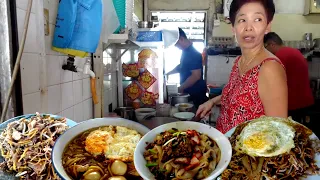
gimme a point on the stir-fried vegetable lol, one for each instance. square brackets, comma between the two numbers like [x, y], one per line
[26, 146]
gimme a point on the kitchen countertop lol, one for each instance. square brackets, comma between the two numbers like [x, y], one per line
[157, 121]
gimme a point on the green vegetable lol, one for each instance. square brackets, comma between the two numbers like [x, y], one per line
[151, 164]
[176, 134]
[152, 151]
[171, 131]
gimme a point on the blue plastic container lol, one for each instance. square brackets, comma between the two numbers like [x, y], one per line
[149, 36]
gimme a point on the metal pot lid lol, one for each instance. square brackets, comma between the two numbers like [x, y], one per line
[180, 95]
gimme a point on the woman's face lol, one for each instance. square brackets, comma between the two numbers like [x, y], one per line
[251, 25]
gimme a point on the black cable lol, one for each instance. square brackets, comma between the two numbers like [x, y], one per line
[17, 91]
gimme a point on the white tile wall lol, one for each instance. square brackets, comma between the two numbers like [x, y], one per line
[54, 70]
[87, 113]
[68, 113]
[77, 91]
[68, 93]
[66, 76]
[86, 89]
[78, 112]
[30, 73]
[31, 103]
[219, 70]
[31, 45]
[54, 102]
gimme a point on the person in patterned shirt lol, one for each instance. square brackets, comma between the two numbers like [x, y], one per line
[257, 85]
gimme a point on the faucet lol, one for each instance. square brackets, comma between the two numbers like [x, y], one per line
[86, 70]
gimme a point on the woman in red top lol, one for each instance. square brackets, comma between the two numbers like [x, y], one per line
[257, 84]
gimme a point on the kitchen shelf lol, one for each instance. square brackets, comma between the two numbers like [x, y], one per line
[193, 23]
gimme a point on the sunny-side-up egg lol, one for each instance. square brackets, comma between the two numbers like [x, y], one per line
[97, 141]
[116, 143]
[123, 145]
[266, 137]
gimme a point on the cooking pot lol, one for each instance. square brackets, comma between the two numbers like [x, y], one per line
[178, 98]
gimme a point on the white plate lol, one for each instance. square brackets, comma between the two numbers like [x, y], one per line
[317, 158]
[217, 136]
[184, 115]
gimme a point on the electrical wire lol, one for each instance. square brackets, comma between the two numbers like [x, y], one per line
[17, 64]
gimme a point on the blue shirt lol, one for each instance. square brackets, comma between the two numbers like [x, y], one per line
[190, 60]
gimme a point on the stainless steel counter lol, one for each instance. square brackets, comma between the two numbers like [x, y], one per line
[157, 121]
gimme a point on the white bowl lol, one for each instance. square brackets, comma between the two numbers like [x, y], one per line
[141, 113]
[217, 136]
[181, 107]
[184, 115]
[71, 133]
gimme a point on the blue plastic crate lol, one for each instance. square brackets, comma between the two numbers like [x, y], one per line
[149, 36]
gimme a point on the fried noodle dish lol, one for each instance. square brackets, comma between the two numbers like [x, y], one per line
[104, 153]
[26, 146]
[178, 154]
[272, 149]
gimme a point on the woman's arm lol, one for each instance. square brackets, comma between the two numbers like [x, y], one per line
[273, 90]
[205, 108]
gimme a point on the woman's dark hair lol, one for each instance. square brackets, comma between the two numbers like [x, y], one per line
[237, 4]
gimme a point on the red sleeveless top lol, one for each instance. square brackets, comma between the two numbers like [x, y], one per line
[240, 99]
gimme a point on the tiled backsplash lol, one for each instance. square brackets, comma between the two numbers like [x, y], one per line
[219, 68]
[46, 87]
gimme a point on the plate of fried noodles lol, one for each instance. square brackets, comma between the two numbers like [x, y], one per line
[26, 143]
[295, 157]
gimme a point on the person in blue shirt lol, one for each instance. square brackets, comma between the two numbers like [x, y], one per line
[191, 71]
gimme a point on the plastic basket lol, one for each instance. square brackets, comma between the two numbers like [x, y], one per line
[149, 36]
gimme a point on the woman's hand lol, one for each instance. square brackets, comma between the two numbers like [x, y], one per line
[205, 108]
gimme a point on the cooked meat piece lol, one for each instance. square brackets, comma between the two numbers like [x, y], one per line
[167, 136]
[182, 160]
[181, 147]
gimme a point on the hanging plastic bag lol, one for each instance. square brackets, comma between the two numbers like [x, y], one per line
[110, 20]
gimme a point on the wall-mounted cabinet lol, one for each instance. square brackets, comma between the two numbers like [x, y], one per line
[312, 7]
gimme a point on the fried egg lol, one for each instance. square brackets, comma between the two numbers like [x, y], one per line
[266, 137]
[97, 141]
[117, 143]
